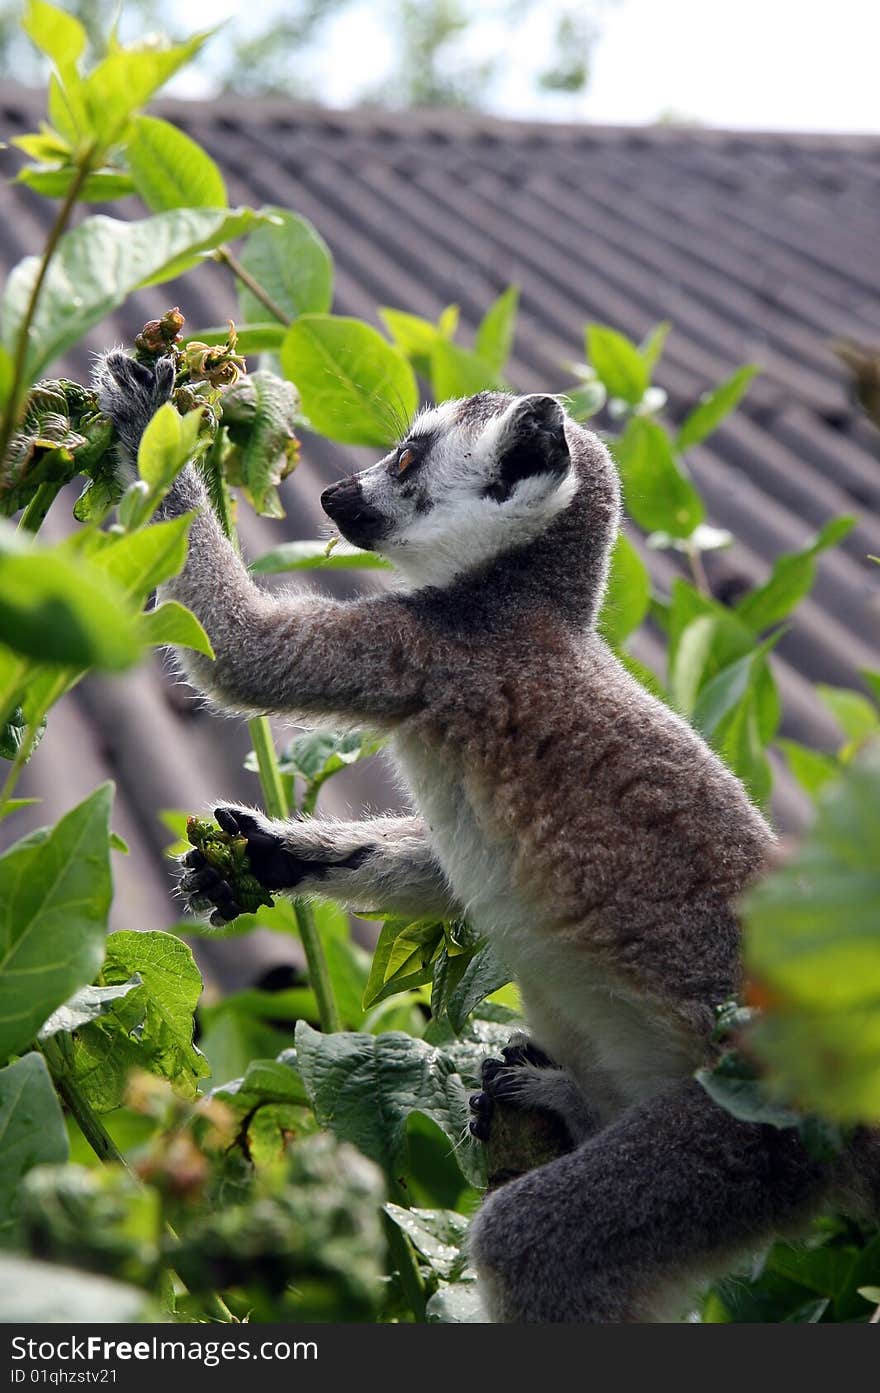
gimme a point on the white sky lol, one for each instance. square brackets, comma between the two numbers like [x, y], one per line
[773, 64]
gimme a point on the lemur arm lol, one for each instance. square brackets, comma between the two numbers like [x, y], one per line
[385, 864]
[298, 653]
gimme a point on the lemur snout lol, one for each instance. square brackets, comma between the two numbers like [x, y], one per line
[358, 521]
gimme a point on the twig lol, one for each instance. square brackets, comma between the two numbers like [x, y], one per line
[10, 416]
[225, 255]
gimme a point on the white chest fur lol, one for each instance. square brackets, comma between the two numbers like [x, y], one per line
[613, 1043]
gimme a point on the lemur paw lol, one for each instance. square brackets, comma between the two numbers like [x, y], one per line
[506, 1080]
[203, 886]
[130, 393]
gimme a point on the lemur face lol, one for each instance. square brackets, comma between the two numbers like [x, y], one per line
[472, 479]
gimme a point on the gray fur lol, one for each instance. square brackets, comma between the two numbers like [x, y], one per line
[579, 823]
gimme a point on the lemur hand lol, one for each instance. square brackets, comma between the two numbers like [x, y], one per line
[269, 860]
[130, 393]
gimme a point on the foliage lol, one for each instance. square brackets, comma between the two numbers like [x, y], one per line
[171, 1156]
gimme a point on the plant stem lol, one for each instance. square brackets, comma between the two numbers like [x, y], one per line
[10, 416]
[698, 571]
[34, 515]
[241, 272]
[88, 1122]
[276, 806]
[275, 802]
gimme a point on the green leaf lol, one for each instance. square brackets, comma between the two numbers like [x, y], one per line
[628, 594]
[292, 263]
[260, 337]
[496, 330]
[58, 609]
[170, 170]
[484, 974]
[456, 372]
[438, 1234]
[265, 1081]
[260, 414]
[150, 1027]
[55, 32]
[173, 624]
[140, 561]
[312, 556]
[354, 387]
[813, 946]
[413, 335]
[43, 1291]
[790, 580]
[6, 374]
[583, 402]
[100, 187]
[658, 495]
[652, 346]
[713, 407]
[88, 1004]
[812, 769]
[166, 445]
[402, 958]
[126, 78]
[618, 363]
[728, 687]
[855, 714]
[364, 1088]
[745, 1098]
[55, 895]
[97, 266]
[32, 1132]
[872, 682]
[704, 647]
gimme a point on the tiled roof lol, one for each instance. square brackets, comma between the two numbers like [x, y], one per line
[758, 248]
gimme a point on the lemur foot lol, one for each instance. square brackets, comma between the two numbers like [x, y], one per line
[130, 393]
[526, 1078]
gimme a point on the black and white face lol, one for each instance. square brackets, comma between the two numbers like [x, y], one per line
[472, 480]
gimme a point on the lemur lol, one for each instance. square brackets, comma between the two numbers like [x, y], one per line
[581, 825]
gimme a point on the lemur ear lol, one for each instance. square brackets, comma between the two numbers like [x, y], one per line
[532, 442]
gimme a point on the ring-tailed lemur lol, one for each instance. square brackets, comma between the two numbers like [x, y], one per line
[580, 824]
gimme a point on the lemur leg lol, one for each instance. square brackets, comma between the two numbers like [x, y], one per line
[621, 1228]
[361, 662]
[386, 863]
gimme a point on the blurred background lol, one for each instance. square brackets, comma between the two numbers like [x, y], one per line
[621, 161]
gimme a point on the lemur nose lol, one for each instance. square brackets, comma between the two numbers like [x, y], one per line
[342, 494]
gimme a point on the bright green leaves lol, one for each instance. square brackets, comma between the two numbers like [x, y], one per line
[855, 714]
[813, 944]
[403, 957]
[496, 330]
[713, 407]
[623, 370]
[32, 1131]
[125, 80]
[147, 1026]
[56, 608]
[141, 560]
[628, 595]
[450, 369]
[260, 414]
[790, 580]
[353, 385]
[55, 32]
[659, 495]
[96, 267]
[55, 891]
[170, 170]
[168, 442]
[174, 624]
[292, 263]
[364, 1087]
[313, 556]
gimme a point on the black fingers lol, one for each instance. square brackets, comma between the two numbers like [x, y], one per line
[481, 1106]
[526, 1052]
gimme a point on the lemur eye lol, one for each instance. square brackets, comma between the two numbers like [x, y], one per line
[405, 459]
